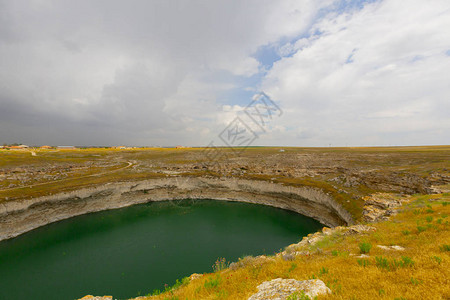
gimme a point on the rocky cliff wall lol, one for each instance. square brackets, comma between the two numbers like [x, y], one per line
[17, 217]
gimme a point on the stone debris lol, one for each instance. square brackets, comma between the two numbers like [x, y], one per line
[358, 229]
[280, 289]
[90, 297]
[395, 247]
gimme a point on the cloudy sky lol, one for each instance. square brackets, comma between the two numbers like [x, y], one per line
[169, 72]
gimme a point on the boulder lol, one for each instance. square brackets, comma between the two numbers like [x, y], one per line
[280, 289]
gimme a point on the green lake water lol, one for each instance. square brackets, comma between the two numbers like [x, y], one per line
[132, 251]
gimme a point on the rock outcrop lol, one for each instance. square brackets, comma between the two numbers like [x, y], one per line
[280, 289]
[311, 239]
[380, 206]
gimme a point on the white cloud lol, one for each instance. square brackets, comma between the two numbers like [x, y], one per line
[378, 75]
[143, 71]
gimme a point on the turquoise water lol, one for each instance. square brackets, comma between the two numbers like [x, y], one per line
[132, 251]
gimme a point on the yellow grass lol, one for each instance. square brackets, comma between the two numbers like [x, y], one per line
[337, 265]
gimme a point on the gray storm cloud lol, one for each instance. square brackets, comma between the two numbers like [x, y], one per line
[156, 72]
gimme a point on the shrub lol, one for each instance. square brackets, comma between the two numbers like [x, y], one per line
[220, 264]
[437, 259]
[381, 262]
[444, 247]
[293, 267]
[406, 262]
[212, 282]
[323, 270]
[243, 262]
[363, 262]
[429, 219]
[421, 229]
[365, 247]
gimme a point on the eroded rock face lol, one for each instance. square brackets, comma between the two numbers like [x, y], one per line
[19, 216]
[280, 289]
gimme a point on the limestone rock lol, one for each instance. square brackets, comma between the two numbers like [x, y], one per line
[90, 297]
[395, 247]
[327, 231]
[280, 289]
[358, 229]
[195, 276]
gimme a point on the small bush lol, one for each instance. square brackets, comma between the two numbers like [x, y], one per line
[364, 248]
[335, 252]
[323, 270]
[445, 203]
[292, 267]
[421, 229]
[439, 221]
[406, 232]
[220, 264]
[212, 282]
[406, 262]
[437, 259]
[381, 262]
[415, 281]
[363, 262]
[444, 247]
[429, 219]
[243, 262]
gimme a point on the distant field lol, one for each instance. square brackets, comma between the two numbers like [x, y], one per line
[346, 173]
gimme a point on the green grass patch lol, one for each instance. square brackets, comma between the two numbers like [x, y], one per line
[365, 247]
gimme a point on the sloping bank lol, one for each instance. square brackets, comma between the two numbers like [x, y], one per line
[19, 216]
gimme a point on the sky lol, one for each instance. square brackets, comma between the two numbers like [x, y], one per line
[166, 73]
